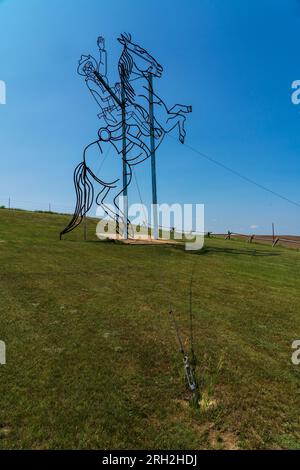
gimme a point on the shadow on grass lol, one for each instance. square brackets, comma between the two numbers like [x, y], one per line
[233, 251]
[181, 247]
[203, 251]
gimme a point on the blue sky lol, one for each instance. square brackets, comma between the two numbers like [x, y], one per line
[233, 60]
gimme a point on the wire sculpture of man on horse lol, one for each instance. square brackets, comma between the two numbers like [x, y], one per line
[127, 100]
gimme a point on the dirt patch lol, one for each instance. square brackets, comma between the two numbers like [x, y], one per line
[4, 431]
[223, 440]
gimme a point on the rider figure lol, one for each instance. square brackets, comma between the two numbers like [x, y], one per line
[87, 66]
[137, 118]
[135, 115]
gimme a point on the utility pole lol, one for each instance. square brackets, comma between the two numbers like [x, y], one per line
[122, 104]
[125, 180]
[84, 227]
[273, 232]
[153, 159]
[85, 210]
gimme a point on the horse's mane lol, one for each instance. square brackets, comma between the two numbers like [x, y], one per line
[125, 66]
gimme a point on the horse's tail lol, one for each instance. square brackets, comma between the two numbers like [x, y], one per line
[84, 197]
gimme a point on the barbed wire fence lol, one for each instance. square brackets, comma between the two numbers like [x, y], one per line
[52, 207]
[274, 240]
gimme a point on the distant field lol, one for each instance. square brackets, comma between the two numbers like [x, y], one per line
[289, 241]
[92, 357]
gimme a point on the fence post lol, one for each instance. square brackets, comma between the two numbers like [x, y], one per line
[273, 232]
[228, 236]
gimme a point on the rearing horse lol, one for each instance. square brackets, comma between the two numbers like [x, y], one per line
[131, 63]
[135, 66]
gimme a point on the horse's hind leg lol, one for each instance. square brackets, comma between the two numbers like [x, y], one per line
[106, 207]
[100, 201]
[114, 209]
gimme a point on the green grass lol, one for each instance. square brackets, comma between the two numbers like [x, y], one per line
[92, 357]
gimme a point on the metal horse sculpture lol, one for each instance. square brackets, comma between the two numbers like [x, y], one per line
[136, 68]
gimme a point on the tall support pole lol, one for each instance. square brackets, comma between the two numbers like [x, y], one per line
[125, 180]
[84, 227]
[122, 104]
[153, 159]
[84, 215]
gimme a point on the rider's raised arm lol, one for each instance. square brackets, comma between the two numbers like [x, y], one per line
[102, 57]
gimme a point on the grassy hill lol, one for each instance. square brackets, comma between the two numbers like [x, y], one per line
[92, 357]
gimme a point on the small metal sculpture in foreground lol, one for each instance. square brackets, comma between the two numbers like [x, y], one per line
[129, 129]
[189, 363]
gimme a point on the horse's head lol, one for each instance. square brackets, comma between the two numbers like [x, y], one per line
[143, 61]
